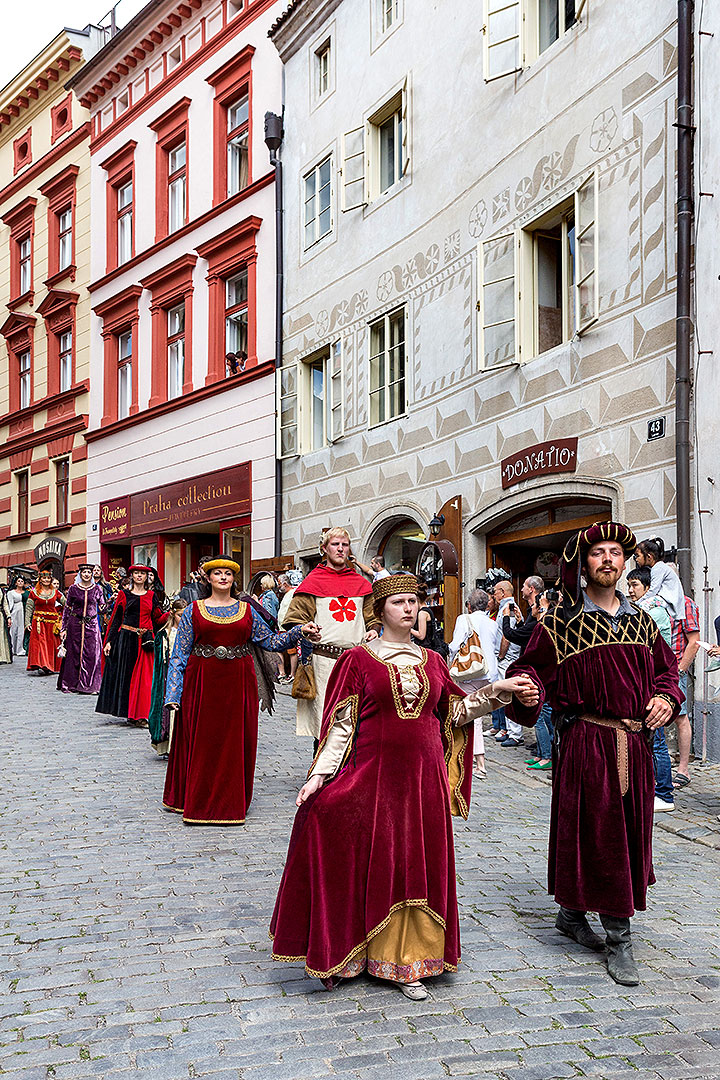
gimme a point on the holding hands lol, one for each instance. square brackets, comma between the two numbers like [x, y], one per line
[311, 631]
[522, 686]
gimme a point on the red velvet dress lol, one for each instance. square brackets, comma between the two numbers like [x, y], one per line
[214, 744]
[126, 685]
[375, 844]
[44, 632]
[600, 850]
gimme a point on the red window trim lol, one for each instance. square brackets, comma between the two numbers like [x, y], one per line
[171, 129]
[227, 254]
[228, 82]
[23, 523]
[120, 170]
[19, 333]
[61, 195]
[58, 311]
[119, 314]
[20, 162]
[21, 221]
[65, 520]
[57, 127]
[169, 287]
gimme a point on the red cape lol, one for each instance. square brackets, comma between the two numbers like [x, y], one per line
[322, 581]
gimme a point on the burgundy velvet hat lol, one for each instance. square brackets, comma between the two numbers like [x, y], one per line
[138, 566]
[578, 546]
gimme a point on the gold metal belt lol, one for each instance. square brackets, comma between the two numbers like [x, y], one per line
[221, 652]
[621, 728]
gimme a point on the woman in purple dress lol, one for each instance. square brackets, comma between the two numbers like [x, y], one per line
[80, 671]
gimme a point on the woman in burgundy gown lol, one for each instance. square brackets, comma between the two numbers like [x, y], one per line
[126, 685]
[213, 687]
[369, 881]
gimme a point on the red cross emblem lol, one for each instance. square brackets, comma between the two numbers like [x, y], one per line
[343, 609]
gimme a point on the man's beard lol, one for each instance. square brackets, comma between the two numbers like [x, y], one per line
[604, 577]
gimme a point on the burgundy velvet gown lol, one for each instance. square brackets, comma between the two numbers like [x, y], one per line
[377, 839]
[211, 767]
[126, 685]
[44, 638]
[600, 850]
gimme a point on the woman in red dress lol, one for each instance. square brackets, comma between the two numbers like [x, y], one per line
[213, 687]
[126, 686]
[369, 881]
[42, 618]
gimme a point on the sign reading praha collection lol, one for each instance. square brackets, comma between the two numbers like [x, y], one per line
[543, 459]
[215, 496]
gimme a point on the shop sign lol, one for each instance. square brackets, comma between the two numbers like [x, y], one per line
[115, 520]
[216, 496]
[51, 548]
[543, 459]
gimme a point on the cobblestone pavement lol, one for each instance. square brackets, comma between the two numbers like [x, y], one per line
[137, 947]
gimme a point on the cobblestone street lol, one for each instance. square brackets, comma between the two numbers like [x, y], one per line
[134, 946]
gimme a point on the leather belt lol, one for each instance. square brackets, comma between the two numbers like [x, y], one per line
[139, 630]
[621, 728]
[222, 652]
[333, 651]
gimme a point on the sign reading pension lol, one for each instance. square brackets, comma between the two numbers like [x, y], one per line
[215, 496]
[543, 459]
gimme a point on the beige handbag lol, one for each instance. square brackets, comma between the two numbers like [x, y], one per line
[469, 662]
[304, 687]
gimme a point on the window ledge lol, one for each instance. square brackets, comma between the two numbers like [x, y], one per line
[59, 528]
[381, 200]
[55, 279]
[384, 423]
[17, 301]
[19, 536]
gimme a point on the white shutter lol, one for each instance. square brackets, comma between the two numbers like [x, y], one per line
[287, 410]
[498, 300]
[586, 254]
[502, 39]
[405, 161]
[335, 403]
[353, 169]
[579, 9]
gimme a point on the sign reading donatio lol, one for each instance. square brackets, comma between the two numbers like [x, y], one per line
[215, 496]
[543, 459]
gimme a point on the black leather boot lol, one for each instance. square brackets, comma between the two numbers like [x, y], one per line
[575, 925]
[620, 960]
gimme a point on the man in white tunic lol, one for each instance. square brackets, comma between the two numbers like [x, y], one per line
[341, 603]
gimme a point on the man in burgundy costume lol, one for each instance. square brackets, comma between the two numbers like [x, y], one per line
[611, 680]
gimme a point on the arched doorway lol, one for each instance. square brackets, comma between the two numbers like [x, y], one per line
[532, 540]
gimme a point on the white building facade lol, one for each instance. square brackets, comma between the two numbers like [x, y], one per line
[181, 459]
[482, 318]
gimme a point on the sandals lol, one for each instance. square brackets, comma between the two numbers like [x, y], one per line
[680, 780]
[414, 990]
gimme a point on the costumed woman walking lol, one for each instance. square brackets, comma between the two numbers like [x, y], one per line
[17, 596]
[6, 655]
[602, 665]
[80, 670]
[159, 720]
[129, 644]
[42, 619]
[369, 881]
[213, 687]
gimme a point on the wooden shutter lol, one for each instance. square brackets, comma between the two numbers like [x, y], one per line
[586, 254]
[498, 299]
[502, 38]
[353, 169]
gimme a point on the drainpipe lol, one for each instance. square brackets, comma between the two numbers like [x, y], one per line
[273, 139]
[683, 325]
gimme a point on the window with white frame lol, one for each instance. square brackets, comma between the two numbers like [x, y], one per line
[65, 359]
[236, 315]
[538, 285]
[375, 156]
[238, 123]
[387, 367]
[311, 401]
[322, 69]
[25, 377]
[318, 214]
[65, 225]
[124, 374]
[25, 261]
[389, 13]
[177, 187]
[517, 32]
[175, 350]
[125, 221]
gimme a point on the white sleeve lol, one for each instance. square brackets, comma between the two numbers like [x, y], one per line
[328, 760]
